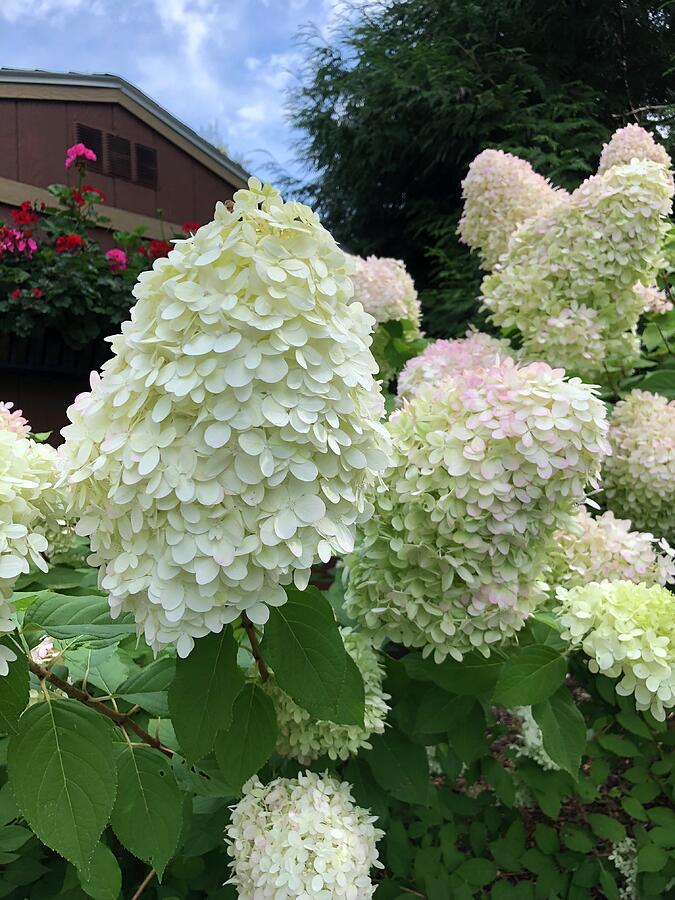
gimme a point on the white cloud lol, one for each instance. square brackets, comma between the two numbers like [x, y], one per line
[20, 10]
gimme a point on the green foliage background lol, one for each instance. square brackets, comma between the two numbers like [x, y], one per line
[392, 111]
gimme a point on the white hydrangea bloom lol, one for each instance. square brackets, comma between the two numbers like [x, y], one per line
[229, 441]
[28, 501]
[604, 547]
[13, 419]
[624, 857]
[567, 280]
[629, 143]
[627, 630]
[302, 838]
[486, 467]
[530, 741]
[653, 300]
[441, 359]
[304, 738]
[500, 191]
[385, 289]
[639, 476]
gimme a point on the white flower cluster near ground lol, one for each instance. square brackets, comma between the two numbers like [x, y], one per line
[302, 837]
[229, 441]
[628, 631]
[304, 738]
[486, 467]
[530, 741]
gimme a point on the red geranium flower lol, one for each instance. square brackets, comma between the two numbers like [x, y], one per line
[37, 292]
[25, 214]
[190, 227]
[66, 243]
[15, 293]
[77, 197]
[155, 249]
[94, 190]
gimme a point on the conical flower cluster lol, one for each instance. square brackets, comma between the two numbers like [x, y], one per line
[629, 143]
[500, 191]
[300, 838]
[303, 738]
[230, 439]
[639, 476]
[487, 466]
[567, 280]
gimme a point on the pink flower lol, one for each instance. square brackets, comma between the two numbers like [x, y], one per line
[78, 152]
[117, 259]
[12, 419]
[14, 241]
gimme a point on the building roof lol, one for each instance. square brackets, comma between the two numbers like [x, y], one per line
[38, 84]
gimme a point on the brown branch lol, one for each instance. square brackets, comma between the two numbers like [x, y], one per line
[249, 628]
[124, 720]
[142, 886]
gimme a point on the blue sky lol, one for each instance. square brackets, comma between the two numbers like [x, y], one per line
[218, 64]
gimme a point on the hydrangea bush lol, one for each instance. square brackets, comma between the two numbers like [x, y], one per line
[463, 735]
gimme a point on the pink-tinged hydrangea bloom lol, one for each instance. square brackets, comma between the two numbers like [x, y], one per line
[627, 630]
[385, 289]
[229, 442]
[300, 838]
[13, 419]
[444, 358]
[567, 280]
[592, 549]
[78, 152]
[639, 476]
[117, 259]
[653, 300]
[500, 191]
[305, 738]
[487, 466]
[629, 143]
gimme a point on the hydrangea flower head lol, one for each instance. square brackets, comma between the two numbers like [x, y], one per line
[567, 280]
[486, 466]
[302, 837]
[628, 631]
[653, 299]
[13, 419]
[500, 191]
[441, 359]
[639, 476]
[530, 741]
[303, 738]
[605, 548]
[230, 439]
[629, 143]
[28, 501]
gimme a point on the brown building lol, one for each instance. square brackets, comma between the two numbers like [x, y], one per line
[154, 170]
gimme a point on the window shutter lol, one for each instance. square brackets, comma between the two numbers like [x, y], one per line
[92, 138]
[146, 166]
[119, 156]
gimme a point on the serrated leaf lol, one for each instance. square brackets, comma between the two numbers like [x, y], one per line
[101, 668]
[14, 691]
[105, 878]
[203, 692]
[399, 766]
[64, 616]
[149, 687]
[245, 747]
[563, 730]
[303, 646]
[530, 676]
[68, 803]
[148, 813]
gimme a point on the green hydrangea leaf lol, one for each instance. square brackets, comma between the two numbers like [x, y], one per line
[247, 744]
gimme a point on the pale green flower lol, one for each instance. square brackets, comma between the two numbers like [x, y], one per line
[628, 631]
